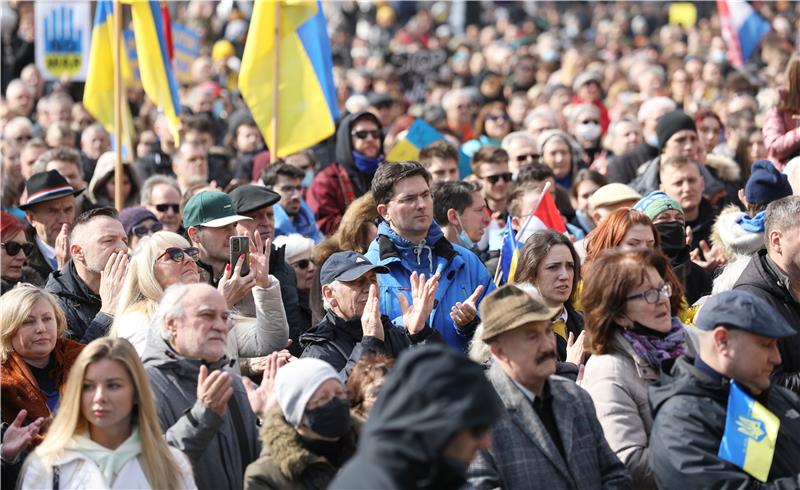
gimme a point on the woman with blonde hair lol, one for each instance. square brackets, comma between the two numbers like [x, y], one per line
[166, 258]
[106, 433]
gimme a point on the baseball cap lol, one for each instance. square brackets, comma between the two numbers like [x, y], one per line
[745, 311]
[347, 266]
[510, 307]
[211, 209]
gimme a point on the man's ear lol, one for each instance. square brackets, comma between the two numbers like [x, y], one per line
[327, 295]
[515, 224]
[452, 217]
[721, 337]
[774, 241]
[383, 211]
[192, 232]
[171, 327]
[76, 252]
[496, 348]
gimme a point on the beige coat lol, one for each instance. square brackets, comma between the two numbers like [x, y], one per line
[617, 383]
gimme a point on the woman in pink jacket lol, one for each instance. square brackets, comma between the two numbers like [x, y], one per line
[782, 126]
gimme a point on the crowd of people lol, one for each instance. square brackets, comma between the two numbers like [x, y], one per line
[337, 319]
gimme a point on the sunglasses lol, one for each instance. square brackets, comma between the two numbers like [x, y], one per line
[142, 230]
[590, 121]
[13, 248]
[303, 264]
[528, 157]
[179, 254]
[493, 179]
[162, 208]
[499, 118]
[362, 135]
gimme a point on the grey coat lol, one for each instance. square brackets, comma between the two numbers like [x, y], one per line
[219, 453]
[524, 456]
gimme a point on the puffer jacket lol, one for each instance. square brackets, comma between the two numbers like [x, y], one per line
[689, 409]
[287, 463]
[76, 470]
[461, 272]
[781, 134]
[81, 306]
[219, 448]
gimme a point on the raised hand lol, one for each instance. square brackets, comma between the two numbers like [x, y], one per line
[111, 279]
[423, 293]
[214, 390]
[259, 260]
[262, 397]
[62, 246]
[713, 257]
[575, 348]
[371, 323]
[463, 313]
[16, 437]
[233, 286]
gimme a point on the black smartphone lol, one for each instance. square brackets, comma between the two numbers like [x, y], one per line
[240, 245]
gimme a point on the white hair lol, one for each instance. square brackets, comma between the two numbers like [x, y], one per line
[356, 103]
[469, 92]
[651, 105]
[541, 113]
[334, 287]
[170, 306]
[13, 123]
[517, 135]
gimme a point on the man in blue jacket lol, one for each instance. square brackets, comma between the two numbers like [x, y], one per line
[410, 241]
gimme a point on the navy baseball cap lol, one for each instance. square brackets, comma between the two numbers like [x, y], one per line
[347, 266]
[745, 311]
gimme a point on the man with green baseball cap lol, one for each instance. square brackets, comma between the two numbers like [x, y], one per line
[210, 221]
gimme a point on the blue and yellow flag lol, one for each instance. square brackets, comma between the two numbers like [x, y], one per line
[509, 254]
[98, 95]
[750, 434]
[307, 108]
[155, 67]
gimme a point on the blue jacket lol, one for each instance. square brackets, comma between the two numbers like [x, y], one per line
[461, 271]
[307, 225]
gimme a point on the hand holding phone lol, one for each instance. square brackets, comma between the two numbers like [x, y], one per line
[240, 245]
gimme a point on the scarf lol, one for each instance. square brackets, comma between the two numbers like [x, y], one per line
[110, 461]
[418, 257]
[754, 224]
[366, 164]
[653, 348]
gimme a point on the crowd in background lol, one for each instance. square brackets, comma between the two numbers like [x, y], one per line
[336, 319]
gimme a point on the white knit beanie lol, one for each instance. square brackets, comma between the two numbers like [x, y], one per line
[295, 384]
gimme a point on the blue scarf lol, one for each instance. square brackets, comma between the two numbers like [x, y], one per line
[304, 223]
[754, 224]
[366, 164]
[419, 257]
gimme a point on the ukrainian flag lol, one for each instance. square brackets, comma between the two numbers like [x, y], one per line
[98, 95]
[750, 434]
[155, 68]
[307, 109]
[509, 254]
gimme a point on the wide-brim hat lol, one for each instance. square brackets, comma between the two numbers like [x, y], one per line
[47, 186]
[510, 307]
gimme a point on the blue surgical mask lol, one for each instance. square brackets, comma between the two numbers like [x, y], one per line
[466, 242]
[550, 55]
[652, 140]
[307, 179]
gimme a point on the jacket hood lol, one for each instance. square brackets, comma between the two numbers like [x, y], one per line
[735, 241]
[344, 147]
[431, 394]
[686, 380]
[105, 171]
[725, 168]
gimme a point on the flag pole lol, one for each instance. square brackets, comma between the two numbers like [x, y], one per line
[273, 152]
[118, 170]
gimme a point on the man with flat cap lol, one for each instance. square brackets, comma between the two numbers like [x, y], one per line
[548, 436]
[50, 209]
[255, 202]
[737, 334]
[353, 324]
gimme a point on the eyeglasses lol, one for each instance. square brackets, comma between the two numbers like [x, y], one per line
[162, 208]
[179, 254]
[303, 264]
[411, 199]
[13, 248]
[532, 157]
[651, 296]
[497, 117]
[362, 135]
[142, 230]
[493, 179]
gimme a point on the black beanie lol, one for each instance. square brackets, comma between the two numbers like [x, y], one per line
[670, 123]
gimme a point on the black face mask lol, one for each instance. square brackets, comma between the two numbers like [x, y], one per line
[330, 420]
[673, 238]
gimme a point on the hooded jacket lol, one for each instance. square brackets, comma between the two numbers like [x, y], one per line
[219, 448]
[338, 184]
[287, 463]
[341, 343]
[649, 180]
[689, 406]
[461, 272]
[285, 225]
[81, 306]
[431, 394]
[761, 279]
[103, 172]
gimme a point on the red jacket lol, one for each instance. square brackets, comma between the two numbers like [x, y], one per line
[781, 136]
[605, 120]
[328, 197]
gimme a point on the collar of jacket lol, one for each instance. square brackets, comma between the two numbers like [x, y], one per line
[71, 285]
[780, 278]
[443, 248]
[191, 367]
[210, 271]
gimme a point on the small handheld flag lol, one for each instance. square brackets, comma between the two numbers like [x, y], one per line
[750, 434]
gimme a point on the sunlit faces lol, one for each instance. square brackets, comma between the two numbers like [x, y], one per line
[709, 130]
[474, 219]
[442, 170]
[639, 308]
[11, 265]
[202, 331]
[528, 352]
[291, 193]
[685, 184]
[165, 204]
[683, 143]
[410, 211]
[496, 180]
[584, 191]
[366, 137]
[106, 237]
[48, 217]
[557, 155]
[761, 355]
[107, 397]
[168, 271]
[349, 298]
[36, 338]
[639, 236]
[263, 221]
[555, 275]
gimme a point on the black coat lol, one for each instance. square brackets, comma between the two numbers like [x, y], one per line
[81, 306]
[690, 408]
[761, 279]
[341, 342]
[623, 168]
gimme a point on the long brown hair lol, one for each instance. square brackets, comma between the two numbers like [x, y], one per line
[612, 230]
[480, 120]
[608, 282]
[791, 103]
[536, 248]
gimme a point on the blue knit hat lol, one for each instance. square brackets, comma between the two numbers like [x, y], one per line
[656, 203]
[766, 184]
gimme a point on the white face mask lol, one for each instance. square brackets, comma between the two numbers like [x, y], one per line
[588, 131]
